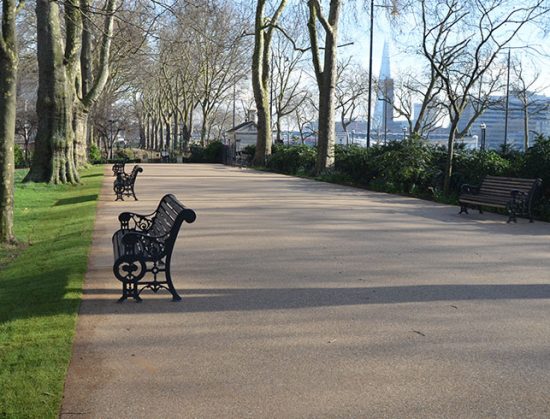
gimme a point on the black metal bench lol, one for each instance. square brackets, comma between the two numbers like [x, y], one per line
[513, 194]
[118, 167]
[124, 183]
[144, 244]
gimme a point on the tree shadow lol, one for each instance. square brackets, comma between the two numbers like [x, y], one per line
[92, 175]
[253, 299]
[76, 200]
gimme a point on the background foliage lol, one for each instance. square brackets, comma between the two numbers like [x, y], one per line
[415, 167]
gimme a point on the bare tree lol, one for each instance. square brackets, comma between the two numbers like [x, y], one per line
[325, 75]
[524, 88]
[263, 34]
[352, 86]
[461, 42]
[305, 117]
[8, 83]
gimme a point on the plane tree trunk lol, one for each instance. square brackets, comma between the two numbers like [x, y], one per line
[8, 69]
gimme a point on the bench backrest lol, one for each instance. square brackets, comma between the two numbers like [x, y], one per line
[503, 186]
[167, 220]
[132, 177]
[118, 167]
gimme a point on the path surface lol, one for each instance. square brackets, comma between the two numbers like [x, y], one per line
[308, 300]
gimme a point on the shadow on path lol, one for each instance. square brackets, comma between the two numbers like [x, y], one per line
[244, 299]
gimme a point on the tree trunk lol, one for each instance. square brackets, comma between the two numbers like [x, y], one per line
[175, 141]
[450, 156]
[525, 126]
[168, 144]
[80, 129]
[327, 135]
[260, 78]
[278, 124]
[53, 159]
[326, 80]
[8, 81]
[204, 131]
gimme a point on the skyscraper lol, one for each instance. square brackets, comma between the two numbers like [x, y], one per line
[383, 111]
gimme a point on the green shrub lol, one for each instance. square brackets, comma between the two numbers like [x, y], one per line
[356, 163]
[196, 153]
[124, 153]
[471, 166]
[95, 154]
[292, 159]
[407, 164]
[19, 156]
[213, 152]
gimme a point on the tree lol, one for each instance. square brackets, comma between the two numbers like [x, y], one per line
[66, 91]
[221, 60]
[351, 86]
[524, 89]
[461, 42]
[325, 75]
[263, 33]
[8, 84]
[304, 117]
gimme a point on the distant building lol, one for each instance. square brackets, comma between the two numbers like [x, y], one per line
[495, 116]
[383, 123]
[244, 134]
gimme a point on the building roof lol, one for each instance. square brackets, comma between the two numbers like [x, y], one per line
[247, 124]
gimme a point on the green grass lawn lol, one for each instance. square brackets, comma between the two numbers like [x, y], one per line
[40, 292]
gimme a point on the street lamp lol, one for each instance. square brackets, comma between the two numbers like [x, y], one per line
[483, 127]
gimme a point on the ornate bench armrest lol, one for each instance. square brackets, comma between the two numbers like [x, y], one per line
[518, 196]
[133, 221]
[152, 246]
[471, 189]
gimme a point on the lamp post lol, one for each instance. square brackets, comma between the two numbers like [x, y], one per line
[483, 128]
[404, 133]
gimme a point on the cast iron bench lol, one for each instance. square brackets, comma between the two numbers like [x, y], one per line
[124, 183]
[513, 194]
[118, 167]
[144, 244]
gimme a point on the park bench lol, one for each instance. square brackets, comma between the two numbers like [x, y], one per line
[144, 244]
[124, 183]
[515, 195]
[118, 167]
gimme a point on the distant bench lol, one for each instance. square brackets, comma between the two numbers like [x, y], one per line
[513, 194]
[124, 183]
[118, 167]
[144, 244]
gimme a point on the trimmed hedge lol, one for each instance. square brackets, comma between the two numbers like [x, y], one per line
[416, 167]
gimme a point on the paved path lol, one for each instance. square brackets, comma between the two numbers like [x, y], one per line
[309, 300]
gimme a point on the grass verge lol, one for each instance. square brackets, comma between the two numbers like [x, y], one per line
[40, 292]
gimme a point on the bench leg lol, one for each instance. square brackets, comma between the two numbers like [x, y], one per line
[118, 192]
[480, 209]
[129, 289]
[175, 295]
[463, 208]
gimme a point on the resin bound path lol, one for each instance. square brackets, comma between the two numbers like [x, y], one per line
[304, 299]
